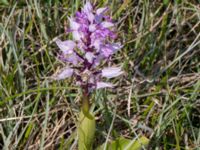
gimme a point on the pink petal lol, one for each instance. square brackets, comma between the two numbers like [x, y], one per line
[97, 43]
[66, 46]
[116, 47]
[100, 14]
[66, 73]
[107, 51]
[92, 27]
[89, 56]
[107, 24]
[103, 85]
[110, 49]
[73, 24]
[87, 7]
[98, 60]
[73, 58]
[111, 72]
[90, 17]
[101, 10]
[76, 35]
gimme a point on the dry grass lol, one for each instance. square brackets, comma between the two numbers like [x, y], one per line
[158, 96]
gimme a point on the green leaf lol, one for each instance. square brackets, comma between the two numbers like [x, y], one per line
[86, 131]
[165, 2]
[126, 144]
[123, 7]
[4, 2]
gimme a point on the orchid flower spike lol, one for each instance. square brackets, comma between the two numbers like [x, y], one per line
[93, 32]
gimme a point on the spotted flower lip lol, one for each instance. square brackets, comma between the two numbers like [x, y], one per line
[93, 32]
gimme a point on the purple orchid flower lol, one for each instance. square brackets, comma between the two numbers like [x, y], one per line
[92, 32]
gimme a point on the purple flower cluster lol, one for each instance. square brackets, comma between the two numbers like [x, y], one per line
[92, 32]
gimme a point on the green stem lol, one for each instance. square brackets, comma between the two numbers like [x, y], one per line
[87, 124]
[86, 105]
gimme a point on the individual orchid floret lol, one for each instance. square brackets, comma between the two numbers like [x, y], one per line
[66, 47]
[93, 32]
